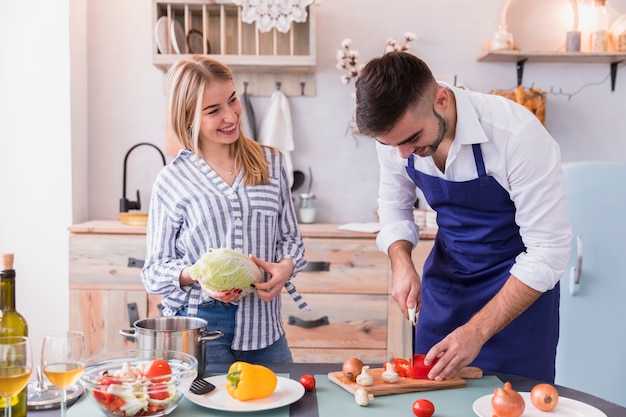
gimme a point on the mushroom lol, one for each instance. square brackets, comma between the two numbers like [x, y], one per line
[362, 397]
[365, 379]
[390, 375]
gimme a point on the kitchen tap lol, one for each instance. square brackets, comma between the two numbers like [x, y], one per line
[125, 204]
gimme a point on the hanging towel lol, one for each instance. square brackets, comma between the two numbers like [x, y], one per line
[276, 129]
[248, 121]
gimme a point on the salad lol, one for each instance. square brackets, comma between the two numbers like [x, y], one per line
[140, 390]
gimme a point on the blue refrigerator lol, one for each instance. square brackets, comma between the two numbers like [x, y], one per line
[591, 354]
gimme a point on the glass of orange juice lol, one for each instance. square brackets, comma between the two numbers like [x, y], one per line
[63, 361]
[15, 368]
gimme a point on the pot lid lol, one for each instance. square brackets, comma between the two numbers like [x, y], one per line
[43, 395]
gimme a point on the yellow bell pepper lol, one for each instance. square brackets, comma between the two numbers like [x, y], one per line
[246, 381]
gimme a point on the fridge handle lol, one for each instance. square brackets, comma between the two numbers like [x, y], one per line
[575, 272]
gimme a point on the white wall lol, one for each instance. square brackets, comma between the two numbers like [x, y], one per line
[35, 158]
[126, 102]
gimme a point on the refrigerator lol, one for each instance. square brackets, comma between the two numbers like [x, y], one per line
[591, 354]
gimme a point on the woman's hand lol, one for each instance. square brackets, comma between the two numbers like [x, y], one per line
[223, 296]
[279, 275]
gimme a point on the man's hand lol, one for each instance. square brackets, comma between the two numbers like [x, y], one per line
[405, 281]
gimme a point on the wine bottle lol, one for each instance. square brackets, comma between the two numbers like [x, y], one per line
[11, 324]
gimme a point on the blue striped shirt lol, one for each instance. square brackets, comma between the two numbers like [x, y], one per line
[193, 210]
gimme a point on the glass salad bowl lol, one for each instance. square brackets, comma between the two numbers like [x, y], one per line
[139, 382]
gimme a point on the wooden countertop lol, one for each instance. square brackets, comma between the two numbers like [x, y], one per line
[314, 230]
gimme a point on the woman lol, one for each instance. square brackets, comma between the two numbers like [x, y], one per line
[223, 190]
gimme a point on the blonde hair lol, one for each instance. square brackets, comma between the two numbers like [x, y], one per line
[185, 83]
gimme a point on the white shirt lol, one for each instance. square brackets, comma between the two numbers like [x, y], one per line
[520, 154]
[193, 210]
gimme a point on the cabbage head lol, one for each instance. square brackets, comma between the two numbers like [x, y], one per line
[224, 269]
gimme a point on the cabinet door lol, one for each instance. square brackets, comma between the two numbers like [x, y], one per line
[101, 314]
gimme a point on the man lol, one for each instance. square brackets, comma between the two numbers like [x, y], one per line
[490, 291]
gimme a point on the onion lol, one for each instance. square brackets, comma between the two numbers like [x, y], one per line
[506, 402]
[352, 368]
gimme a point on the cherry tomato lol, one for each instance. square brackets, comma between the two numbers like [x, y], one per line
[544, 397]
[308, 382]
[423, 408]
[158, 371]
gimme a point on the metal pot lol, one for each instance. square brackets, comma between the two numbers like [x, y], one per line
[182, 334]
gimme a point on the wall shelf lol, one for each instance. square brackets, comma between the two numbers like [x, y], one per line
[261, 61]
[521, 57]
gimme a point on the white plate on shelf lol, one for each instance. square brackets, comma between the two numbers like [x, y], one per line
[287, 392]
[540, 25]
[565, 408]
[177, 35]
[162, 35]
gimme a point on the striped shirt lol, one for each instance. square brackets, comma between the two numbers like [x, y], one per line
[193, 210]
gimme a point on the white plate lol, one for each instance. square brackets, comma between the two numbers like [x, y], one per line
[287, 392]
[540, 25]
[565, 408]
[162, 35]
[177, 35]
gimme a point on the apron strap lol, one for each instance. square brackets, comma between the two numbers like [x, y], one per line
[478, 159]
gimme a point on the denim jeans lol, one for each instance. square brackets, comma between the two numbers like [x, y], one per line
[220, 316]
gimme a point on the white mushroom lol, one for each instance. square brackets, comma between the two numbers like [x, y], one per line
[365, 379]
[390, 375]
[362, 397]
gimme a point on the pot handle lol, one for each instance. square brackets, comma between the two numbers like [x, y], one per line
[209, 335]
[130, 333]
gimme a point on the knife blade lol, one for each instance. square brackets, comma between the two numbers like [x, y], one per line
[412, 319]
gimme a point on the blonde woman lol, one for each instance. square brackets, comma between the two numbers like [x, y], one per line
[222, 190]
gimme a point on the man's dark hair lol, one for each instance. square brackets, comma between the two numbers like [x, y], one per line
[386, 87]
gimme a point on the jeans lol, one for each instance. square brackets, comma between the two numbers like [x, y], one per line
[220, 316]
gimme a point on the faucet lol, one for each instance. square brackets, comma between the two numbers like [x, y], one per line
[125, 204]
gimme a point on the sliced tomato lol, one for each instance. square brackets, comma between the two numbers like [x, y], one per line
[158, 371]
[103, 396]
[159, 391]
[402, 367]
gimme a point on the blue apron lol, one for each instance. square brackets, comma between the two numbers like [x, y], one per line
[473, 252]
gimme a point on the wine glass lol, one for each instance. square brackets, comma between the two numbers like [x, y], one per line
[15, 367]
[63, 360]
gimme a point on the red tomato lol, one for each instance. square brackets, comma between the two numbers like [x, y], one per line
[158, 371]
[544, 397]
[159, 392]
[308, 382]
[423, 408]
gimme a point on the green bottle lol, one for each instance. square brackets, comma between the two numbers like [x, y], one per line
[11, 324]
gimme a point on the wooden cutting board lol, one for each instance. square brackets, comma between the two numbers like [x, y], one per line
[404, 385]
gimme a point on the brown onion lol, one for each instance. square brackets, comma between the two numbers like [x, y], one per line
[506, 402]
[352, 368]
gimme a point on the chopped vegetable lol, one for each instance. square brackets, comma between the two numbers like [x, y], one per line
[134, 391]
[225, 269]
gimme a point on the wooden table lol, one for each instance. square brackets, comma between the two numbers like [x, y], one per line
[308, 405]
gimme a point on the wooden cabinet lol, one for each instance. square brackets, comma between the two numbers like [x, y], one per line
[352, 312]
[258, 59]
[351, 299]
[105, 258]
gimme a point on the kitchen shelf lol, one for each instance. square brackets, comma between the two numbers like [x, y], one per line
[261, 62]
[521, 57]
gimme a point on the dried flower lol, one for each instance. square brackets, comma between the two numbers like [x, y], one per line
[347, 58]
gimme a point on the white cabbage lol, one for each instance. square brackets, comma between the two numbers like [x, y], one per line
[224, 269]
